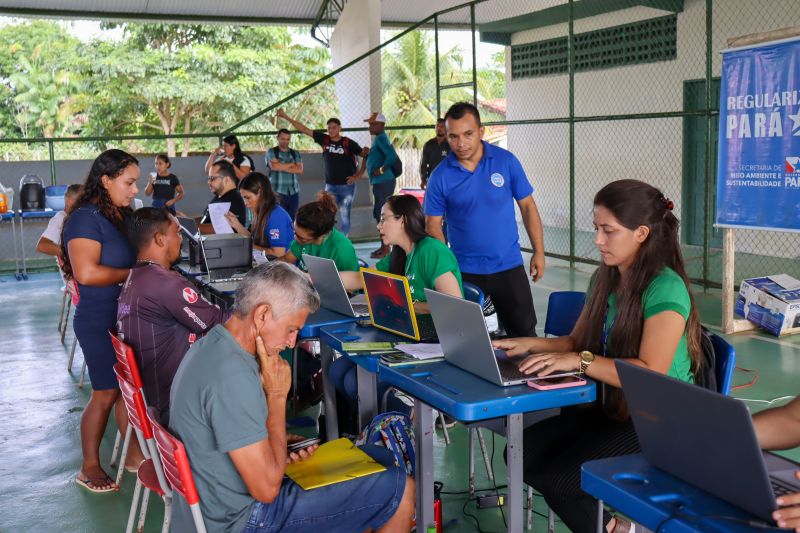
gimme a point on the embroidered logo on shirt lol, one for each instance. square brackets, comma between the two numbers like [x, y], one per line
[274, 233]
[190, 295]
[497, 179]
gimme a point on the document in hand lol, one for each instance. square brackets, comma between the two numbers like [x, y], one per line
[333, 462]
[216, 212]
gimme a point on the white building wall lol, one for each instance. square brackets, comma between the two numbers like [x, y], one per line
[650, 149]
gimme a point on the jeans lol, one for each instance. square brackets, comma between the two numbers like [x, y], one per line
[360, 504]
[290, 203]
[344, 199]
[381, 191]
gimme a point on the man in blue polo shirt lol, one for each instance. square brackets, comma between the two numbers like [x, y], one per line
[475, 188]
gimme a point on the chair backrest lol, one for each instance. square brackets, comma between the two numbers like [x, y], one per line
[473, 293]
[362, 263]
[724, 363]
[563, 310]
[70, 284]
[134, 402]
[127, 361]
[176, 467]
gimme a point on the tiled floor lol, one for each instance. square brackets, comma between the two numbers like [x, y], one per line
[41, 406]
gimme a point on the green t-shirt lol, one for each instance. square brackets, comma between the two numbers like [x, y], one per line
[335, 246]
[667, 292]
[217, 405]
[429, 259]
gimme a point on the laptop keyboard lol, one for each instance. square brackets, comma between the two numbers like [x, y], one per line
[227, 274]
[780, 488]
[509, 371]
[425, 327]
[360, 309]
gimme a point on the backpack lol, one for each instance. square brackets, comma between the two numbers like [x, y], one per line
[394, 432]
[308, 389]
[706, 376]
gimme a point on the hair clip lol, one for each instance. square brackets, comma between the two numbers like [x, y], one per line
[667, 203]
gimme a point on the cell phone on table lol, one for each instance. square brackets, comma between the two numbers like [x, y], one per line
[556, 382]
[299, 445]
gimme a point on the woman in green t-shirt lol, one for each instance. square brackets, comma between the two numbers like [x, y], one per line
[315, 234]
[427, 262]
[640, 308]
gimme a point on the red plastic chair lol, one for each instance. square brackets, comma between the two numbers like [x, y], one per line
[150, 474]
[176, 468]
[129, 369]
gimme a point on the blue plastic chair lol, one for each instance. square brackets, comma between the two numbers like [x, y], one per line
[724, 362]
[473, 293]
[362, 263]
[563, 310]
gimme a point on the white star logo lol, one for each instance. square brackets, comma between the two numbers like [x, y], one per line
[796, 126]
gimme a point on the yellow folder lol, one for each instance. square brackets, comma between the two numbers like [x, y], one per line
[333, 462]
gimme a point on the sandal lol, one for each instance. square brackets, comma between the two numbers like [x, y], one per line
[91, 484]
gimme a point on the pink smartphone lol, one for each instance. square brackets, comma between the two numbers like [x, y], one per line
[557, 382]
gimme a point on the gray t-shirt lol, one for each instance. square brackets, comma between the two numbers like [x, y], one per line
[217, 405]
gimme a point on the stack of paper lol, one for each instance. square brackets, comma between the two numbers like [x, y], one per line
[423, 352]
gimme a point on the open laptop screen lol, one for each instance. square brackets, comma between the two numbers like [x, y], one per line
[389, 301]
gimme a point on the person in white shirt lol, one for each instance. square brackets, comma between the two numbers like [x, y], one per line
[50, 241]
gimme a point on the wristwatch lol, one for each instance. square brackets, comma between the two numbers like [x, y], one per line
[587, 358]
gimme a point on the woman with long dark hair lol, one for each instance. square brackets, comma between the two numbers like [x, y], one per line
[271, 228]
[315, 234]
[639, 307]
[231, 151]
[427, 263]
[98, 255]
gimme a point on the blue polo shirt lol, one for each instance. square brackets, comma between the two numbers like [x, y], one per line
[479, 207]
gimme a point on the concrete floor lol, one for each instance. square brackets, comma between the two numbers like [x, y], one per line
[41, 406]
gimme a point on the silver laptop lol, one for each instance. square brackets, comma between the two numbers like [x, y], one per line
[465, 340]
[332, 294]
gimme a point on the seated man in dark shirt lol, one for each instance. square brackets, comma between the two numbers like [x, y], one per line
[160, 314]
[222, 181]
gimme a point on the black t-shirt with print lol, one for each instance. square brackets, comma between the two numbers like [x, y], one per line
[338, 157]
[164, 187]
[237, 206]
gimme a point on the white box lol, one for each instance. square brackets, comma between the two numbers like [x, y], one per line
[772, 302]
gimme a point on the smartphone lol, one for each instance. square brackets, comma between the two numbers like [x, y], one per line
[299, 445]
[557, 382]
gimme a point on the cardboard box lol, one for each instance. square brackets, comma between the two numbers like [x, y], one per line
[772, 302]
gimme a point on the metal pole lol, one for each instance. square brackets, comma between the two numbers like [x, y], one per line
[571, 70]
[52, 151]
[474, 56]
[709, 170]
[438, 80]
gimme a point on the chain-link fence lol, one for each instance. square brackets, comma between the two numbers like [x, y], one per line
[582, 93]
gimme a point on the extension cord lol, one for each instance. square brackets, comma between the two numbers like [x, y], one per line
[493, 500]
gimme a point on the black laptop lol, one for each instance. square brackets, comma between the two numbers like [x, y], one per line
[705, 439]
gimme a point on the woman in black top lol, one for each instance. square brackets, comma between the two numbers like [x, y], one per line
[231, 152]
[164, 186]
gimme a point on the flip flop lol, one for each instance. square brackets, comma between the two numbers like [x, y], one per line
[89, 485]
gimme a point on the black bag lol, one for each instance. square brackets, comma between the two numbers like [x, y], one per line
[707, 374]
[397, 168]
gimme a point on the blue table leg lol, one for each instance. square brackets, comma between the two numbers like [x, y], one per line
[367, 396]
[514, 436]
[22, 247]
[329, 394]
[423, 429]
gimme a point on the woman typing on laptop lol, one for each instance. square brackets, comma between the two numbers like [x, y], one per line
[425, 261]
[315, 234]
[639, 307]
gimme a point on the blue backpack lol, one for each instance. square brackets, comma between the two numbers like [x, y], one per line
[395, 432]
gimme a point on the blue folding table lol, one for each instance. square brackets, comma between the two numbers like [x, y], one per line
[10, 216]
[657, 500]
[29, 215]
[468, 398]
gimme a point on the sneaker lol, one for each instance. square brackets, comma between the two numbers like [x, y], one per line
[449, 421]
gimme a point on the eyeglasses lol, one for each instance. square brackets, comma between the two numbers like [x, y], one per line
[212, 178]
[383, 219]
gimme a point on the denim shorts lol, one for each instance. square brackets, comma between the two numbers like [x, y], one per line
[357, 505]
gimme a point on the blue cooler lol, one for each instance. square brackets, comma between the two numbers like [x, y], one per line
[54, 197]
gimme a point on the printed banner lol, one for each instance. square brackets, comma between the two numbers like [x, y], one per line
[758, 180]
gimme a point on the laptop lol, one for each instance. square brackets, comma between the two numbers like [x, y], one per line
[226, 257]
[466, 343]
[189, 228]
[332, 294]
[391, 307]
[680, 425]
